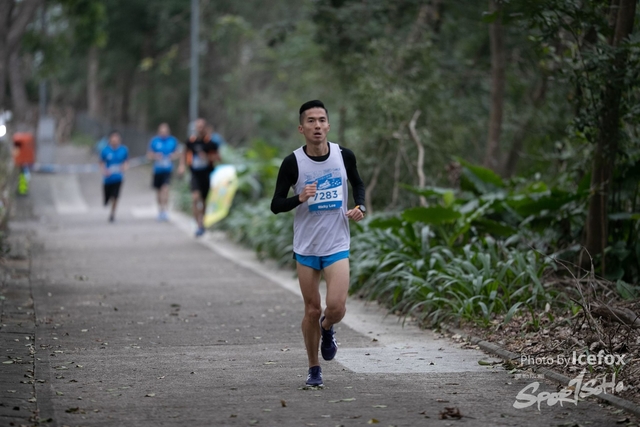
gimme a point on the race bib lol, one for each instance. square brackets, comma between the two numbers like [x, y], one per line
[198, 162]
[164, 163]
[328, 195]
[114, 169]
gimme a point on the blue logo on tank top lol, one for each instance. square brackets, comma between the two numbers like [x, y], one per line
[328, 195]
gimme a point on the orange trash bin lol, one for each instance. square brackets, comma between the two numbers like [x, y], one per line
[23, 149]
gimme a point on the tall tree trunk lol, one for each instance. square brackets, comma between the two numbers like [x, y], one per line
[604, 157]
[19, 99]
[94, 95]
[496, 36]
[368, 192]
[395, 192]
[422, 180]
[3, 74]
[5, 23]
[14, 17]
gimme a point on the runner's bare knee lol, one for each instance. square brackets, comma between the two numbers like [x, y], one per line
[335, 312]
[313, 311]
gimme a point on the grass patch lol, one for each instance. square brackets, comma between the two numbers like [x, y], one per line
[81, 139]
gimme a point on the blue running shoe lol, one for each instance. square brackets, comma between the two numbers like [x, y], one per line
[199, 231]
[328, 345]
[163, 217]
[314, 377]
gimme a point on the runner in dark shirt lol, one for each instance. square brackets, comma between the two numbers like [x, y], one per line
[200, 154]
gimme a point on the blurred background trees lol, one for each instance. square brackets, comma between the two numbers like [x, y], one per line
[536, 92]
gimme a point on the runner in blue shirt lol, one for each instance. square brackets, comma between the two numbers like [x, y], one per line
[163, 149]
[113, 163]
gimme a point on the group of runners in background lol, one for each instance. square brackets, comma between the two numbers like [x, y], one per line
[200, 154]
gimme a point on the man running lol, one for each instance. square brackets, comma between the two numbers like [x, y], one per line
[163, 149]
[113, 163]
[200, 154]
[318, 173]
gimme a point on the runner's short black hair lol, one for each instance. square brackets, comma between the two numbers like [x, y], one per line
[114, 132]
[312, 104]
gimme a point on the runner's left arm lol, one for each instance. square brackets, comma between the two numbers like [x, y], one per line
[357, 186]
[214, 153]
[125, 162]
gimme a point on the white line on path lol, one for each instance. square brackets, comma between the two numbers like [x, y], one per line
[67, 196]
[399, 348]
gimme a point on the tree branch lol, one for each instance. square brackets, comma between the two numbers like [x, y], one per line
[372, 185]
[620, 315]
[420, 167]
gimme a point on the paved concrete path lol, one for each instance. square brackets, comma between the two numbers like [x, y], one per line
[140, 324]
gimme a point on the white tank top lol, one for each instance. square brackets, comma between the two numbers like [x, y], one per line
[320, 225]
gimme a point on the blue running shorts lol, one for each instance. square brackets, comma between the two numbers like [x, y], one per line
[320, 262]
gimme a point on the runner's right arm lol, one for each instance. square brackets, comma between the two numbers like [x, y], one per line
[177, 150]
[103, 164]
[183, 159]
[150, 153]
[213, 153]
[287, 177]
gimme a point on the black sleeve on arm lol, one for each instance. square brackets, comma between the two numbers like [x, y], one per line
[357, 185]
[287, 177]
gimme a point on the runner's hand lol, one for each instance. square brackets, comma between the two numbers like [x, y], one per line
[355, 214]
[180, 170]
[308, 192]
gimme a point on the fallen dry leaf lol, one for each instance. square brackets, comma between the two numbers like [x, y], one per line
[450, 412]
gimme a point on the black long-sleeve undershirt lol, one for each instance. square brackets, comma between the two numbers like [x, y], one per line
[288, 176]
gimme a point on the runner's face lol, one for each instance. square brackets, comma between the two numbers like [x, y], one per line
[201, 126]
[114, 140]
[315, 125]
[163, 130]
